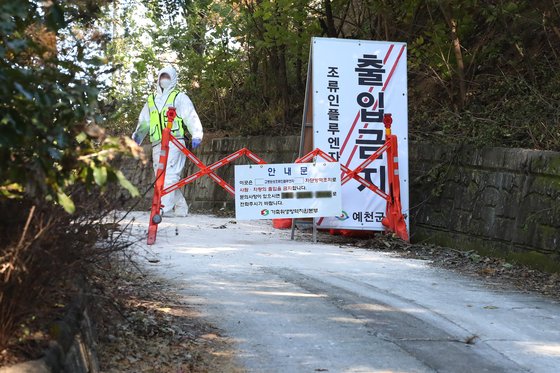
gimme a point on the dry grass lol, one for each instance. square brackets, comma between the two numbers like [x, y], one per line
[43, 250]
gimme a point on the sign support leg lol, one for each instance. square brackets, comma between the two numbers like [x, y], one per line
[314, 230]
[304, 124]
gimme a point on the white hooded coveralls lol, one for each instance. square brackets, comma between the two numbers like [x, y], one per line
[176, 159]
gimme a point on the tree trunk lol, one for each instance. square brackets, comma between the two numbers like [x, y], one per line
[331, 30]
[283, 85]
[299, 57]
[452, 23]
[299, 71]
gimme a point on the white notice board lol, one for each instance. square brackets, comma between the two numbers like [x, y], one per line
[354, 84]
[291, 190]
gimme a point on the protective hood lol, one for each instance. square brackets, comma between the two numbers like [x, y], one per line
[172, 75]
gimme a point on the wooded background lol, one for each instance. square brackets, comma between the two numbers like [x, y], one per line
[483, 72]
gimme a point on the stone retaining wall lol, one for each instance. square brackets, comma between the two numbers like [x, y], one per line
[497, 201]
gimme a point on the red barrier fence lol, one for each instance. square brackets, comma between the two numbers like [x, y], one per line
[394, 219]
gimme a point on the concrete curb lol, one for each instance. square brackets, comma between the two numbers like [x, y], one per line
[72, 348]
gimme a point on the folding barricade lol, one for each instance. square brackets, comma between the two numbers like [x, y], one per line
[394, 219]
[160, 191]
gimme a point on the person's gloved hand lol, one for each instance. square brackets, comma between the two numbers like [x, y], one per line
[196, 143]
[137, 138]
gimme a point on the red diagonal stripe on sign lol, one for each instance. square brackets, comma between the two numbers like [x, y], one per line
[361, 136]
[350, 132]
[382, 90]
[358, 115]
[388, 54]
[393, 69]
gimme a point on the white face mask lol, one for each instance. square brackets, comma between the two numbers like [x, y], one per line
[164, 83]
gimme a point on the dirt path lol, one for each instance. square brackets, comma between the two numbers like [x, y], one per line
[298, 307]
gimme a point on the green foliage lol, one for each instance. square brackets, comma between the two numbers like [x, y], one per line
[228, 55]
[479, 71]
[510, 73]
[48, 137]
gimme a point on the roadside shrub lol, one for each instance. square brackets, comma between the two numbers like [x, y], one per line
[44, 250]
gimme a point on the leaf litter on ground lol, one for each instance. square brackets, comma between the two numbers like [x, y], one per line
[145, 326]
[496, 272]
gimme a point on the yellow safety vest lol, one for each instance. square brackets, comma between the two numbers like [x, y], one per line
[158, 119]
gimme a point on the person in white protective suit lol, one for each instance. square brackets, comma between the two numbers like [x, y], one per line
[153, 119]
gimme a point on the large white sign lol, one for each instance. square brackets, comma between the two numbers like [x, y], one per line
[292, 190]
[354, 84]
